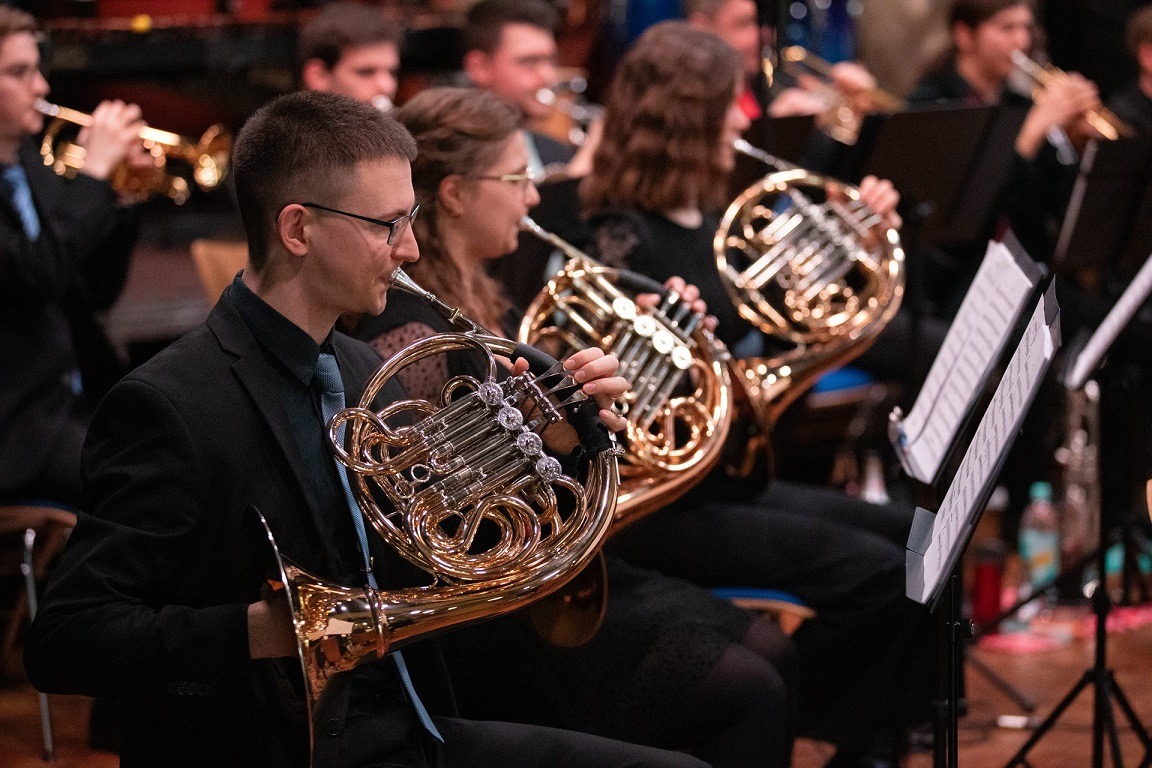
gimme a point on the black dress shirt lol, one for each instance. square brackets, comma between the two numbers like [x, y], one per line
[293, 354]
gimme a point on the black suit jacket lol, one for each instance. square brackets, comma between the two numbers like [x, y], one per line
[49, 290]
[148, 605]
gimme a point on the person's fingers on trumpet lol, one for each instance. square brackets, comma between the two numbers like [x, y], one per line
[113, 136]
[882, 197]
[850, 78]
[792, 102]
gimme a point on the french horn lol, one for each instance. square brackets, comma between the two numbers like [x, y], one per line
[678, 410]
[206, 158]
[461, 488]
[679, 406]
[811, 266]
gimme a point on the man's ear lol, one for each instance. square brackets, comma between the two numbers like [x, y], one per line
[962, 36]
[1144, 56]
[478, 66]
[290, 229]
[315, 75]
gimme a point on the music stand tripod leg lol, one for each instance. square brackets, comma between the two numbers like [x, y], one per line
[1134, 722]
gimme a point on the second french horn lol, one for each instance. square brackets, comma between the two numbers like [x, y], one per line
[679, 407]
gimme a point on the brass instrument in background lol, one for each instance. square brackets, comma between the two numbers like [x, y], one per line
[843, 113]
[207, 158]
[820, 278]
[1103, 120]
[571, 114]
[1078, 457]
[477, 504]
[678, 410]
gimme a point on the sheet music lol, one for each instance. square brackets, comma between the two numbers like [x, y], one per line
[972, 346]
[997, 429]
[1117, 318]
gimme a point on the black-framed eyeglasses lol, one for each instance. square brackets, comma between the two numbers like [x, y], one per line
[522, 179]
[396, 226]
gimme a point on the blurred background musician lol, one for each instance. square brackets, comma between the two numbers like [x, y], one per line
[673, 666]
[978, 71]
[1133, 103]
[510, 49]
[352, 50]
[64, 251]
[737, 23]
[654, 211]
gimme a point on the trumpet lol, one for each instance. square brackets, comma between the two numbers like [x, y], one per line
[207, 157]
[841, 117]
[1103, 120]
[566, 99]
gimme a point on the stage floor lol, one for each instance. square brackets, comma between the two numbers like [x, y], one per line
[1045, 676]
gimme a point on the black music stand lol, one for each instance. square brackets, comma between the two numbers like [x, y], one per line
[1108, 231]
[1079, 373]
[955, 174]
[1105, 208]
[937, 541]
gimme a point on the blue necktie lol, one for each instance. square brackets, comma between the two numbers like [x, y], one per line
[22, 200]
[331, 401]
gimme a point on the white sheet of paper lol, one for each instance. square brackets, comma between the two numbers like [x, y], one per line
[993, 436]
[972, 346]
[1117, 318]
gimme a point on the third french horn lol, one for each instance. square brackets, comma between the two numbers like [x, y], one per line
[812, 267]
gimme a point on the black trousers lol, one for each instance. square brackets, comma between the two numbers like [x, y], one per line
[487, 744]
[866, 659]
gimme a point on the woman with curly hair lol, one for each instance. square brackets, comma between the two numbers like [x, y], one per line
[657, 183]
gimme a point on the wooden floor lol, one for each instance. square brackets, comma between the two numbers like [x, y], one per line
[1045, 676]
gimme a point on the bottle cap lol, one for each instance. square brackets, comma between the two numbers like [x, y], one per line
[1040, 491]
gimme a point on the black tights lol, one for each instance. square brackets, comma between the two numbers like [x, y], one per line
[743, 701]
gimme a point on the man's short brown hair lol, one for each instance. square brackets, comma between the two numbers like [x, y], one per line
[341, 26]
[304, 146]
[13, 20]
[1139, 29]
[484, 25]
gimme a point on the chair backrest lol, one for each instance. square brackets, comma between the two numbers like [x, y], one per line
[218, 261]
[52, 526]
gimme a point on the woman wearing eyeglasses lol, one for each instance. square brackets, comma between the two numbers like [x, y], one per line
[672, 665]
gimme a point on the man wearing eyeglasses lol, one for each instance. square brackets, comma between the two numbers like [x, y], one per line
[64, 251]
[158, 600]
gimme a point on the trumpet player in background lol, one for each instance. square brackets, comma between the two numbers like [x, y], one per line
[979, 70]
[157, 600]
[672, 665]
[510, 50]
[1133, 103]
[736, 22]
[352, 50]
[65, 246]
[671, 118]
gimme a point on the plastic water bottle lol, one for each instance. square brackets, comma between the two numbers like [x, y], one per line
[1040, 539]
